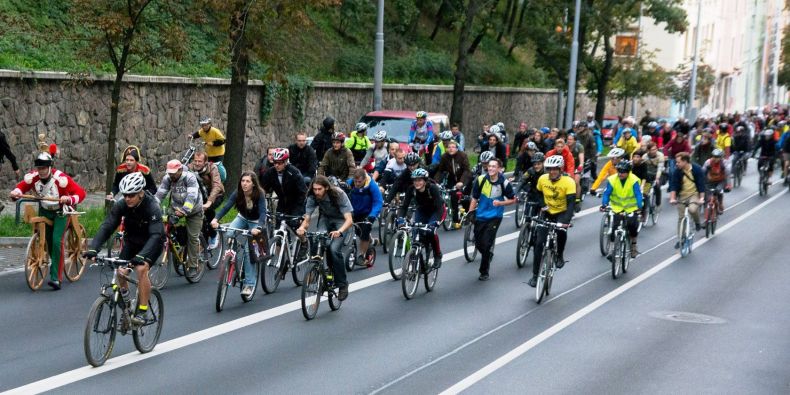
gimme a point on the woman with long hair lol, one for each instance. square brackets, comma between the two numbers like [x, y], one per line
[250, 201]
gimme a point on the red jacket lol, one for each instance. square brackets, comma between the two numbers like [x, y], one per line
[60, 185]
[567, 156]
[672, 148]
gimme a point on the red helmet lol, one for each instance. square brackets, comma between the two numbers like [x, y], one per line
[339, 136]
[280, 154]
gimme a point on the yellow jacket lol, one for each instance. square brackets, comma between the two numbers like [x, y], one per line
[608, 170]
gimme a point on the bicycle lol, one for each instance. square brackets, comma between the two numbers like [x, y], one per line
[712, 208]
[111, 313]
[400, 244]
[37, 259]
[351, 242]
[548, 262]
[192, 147]
[685, 234]
[231, 269]
[470, 250]
[318, 278]
[418, 262]
[521, 207]
[526, 236]
[651, 209]
[739, 168]
[447, 224]
[285, 254]
[620, 254]
[764, 182]
[387, 217]
[175, 254]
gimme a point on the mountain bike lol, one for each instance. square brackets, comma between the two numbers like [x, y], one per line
[318, 277]
[287, 252]
[685, 232]
[712, 209]
[37, 259]
[526, 236]
[352, 243]
[418, 262]
[175, 254]
[548, 262]
[193, 145]
[111, 313]
[231, 268]
[620, 254]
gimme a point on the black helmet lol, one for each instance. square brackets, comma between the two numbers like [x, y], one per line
[624, 166]
[329, 123]
[538, 157]
[412, 159]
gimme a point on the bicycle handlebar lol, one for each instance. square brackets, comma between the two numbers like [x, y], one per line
[109, 261]
[240, 232]
[555, 225]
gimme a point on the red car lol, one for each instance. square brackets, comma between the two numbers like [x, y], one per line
[398, 123]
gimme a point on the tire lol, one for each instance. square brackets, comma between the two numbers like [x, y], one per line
[655, 209]
[685, 247]
[709, 221]
[312, 288]
[258, 267]
[200, 270]
[410, 275]
[271, 270]
[627, 260]
[523, 247]
[603, 237]
[541, 288]
[398, 251]
[350, 258]
[334, 302]
[521, 212]
[76, 243]
[617, 257]
[159, 272]
[100, 330]
[297, 272]
[213, 257]
[146, 336]
[36, 267]
[738, 175]
[370, 257]
[470, 251]
[389, 230]
[430, 278]
[713, 224]
[447, 224]
[226, 273]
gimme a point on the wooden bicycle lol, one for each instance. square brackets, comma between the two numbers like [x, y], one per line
[74, 244]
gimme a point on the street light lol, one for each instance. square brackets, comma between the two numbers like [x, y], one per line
[571, 106]
[378, 66]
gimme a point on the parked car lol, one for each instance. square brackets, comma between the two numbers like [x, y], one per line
[609, 122]
[398, 123]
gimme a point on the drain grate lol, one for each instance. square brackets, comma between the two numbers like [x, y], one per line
[683, 316]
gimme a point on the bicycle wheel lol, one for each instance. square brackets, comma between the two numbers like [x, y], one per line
[389, 230]
[75, 244]
[603, 236]
[709, 220]
[410, 275]
[627, 254]
[350, 257]
[398, 250]
[541, 287]
[36, 263]
[523, 247]
[714, 220]
[618, 250]
[655, 209]
[226, 273]
[258, 267]
[370, 257]
[196, 274]
[521, 213]
[334, 302]
[214, 256]
[302, 256]
[99, 334]
[146, 336]
[271, 270]
[429, 278]
[738, 174]
[311, 289]
[685, 247]
[159, 272]
[470, 251]
[447, 224]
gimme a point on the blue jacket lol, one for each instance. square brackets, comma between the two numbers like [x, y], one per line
[367, 200]
[486, 192]
[598, 140]
[676, 179]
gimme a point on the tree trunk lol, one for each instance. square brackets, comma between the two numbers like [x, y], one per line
[503, 23]
[438, 19]
[109, 165]
[603, 81]
[461, 63]
[478, 39]
[237, 106]
[512, 20]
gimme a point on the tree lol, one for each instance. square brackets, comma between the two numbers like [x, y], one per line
[256, 31]
[638, 78]
[129, 33]
[680, 83]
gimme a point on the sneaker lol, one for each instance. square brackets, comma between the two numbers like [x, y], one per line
[560, 263]
[437, 262]
[634, 251]
[577, 207]
[698, 226]
[343, 293]
[213, 242]
[139, 318]
[483, 277]
[55, 284]
[533, 282]
[677, 245]
[247, 290]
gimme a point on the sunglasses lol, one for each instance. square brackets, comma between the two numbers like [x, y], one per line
[129, 195]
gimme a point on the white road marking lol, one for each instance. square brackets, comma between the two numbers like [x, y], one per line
[553, 330]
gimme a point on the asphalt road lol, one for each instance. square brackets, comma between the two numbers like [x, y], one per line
[713, 322]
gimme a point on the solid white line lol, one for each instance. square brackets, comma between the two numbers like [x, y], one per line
[540, 338]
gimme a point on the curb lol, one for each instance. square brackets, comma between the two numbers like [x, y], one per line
[20, 241]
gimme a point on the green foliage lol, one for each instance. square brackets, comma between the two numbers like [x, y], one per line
[680, 86]
[639, 78]
[92, 218]
[293, 91]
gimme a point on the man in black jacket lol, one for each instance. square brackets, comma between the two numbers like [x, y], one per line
[322, 142]
[286, 181]
[303, 157]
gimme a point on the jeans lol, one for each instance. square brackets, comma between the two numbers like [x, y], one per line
[243, 223]
[485, 235]
[335, 255]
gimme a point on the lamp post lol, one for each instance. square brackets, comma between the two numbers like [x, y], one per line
[691, 111]
[378, 67]
[571, 107]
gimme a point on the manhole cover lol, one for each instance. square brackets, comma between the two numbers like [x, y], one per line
[683, 316]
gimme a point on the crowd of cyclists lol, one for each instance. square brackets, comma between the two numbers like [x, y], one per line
[351, 179]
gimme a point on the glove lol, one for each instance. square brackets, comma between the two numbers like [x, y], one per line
[137, 260]
[90, 254]
[433, 225]
[603, 208]
[472, 215]
[371, 219]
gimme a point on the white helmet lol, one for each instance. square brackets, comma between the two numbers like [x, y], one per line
[362, 127]
[132, 183]
[486, 156]
[532, 146]
[500, 125]
[446, 135]
[381, 135]
[554, 161]
[493, 129]
[616, 153]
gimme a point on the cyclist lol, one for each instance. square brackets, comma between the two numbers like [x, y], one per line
[339, 161]
[303, 157]
[524, 160]
[558, 198]
[366, 201]
[723, 139]
[421, 133]
[48, 182]
[378, 151]
[250, 202]
[402, 182]
[687, 184]
[718, 176]
[654, 160]
[628, 142]
[212, 192]
[675, 146]
[285, 180]
[142, 238]
[265, 163]
[441, 147]
[490, 194]
[529, 181]
[458, 136]
[767, 146]
[393, 167]
[518, 139]
[495, 145]
[215, 144]
[429, 208]
[335, 217]
[624, 195]
[454, 169]
[615, 156]
[186, 202]
[322, 141]
[359, 143]
[131, 157]
[704, 149]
